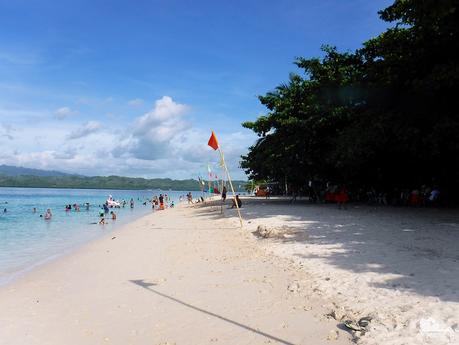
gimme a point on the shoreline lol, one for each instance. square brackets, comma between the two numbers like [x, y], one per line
[10, 276]
[318, 265]
[174, 268]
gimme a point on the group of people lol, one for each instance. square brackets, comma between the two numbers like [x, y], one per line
[236, 202]
[340, 194]
[47, 216]
[161, 202]
[103, 220]
[76, 207]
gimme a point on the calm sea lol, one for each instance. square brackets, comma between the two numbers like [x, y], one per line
[28, 240]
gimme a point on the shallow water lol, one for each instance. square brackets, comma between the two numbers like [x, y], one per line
[26, 239]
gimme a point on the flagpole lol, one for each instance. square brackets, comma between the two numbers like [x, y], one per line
[221, 188]
[231, 184]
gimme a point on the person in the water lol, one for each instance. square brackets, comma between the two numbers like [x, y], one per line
[48, 214]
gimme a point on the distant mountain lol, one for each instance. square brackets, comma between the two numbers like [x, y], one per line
[11, 176]
[9, 170]
[104, 182]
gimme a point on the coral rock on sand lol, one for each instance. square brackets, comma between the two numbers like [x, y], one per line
[273, 232]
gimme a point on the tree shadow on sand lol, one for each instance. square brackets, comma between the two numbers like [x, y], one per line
[419, 248]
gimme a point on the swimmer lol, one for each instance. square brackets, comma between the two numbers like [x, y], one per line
[113, 215]
[48, 214]
[34, 210]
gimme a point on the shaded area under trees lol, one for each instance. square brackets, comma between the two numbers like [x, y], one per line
[384, 116]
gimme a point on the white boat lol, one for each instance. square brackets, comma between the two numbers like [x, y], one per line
[112, 203]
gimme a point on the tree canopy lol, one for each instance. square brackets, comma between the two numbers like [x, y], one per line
[385, 115]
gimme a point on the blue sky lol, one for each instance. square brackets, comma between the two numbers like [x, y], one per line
[134, 87]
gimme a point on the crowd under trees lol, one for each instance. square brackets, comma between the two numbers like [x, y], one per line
[385, 116]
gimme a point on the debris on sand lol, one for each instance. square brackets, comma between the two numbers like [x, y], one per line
[284, 231]
[294, 287]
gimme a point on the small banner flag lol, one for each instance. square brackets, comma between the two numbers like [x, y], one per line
[213, 142]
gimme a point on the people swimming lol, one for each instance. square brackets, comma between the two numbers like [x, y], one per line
[48, 214]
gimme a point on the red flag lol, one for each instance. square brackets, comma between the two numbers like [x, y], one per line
[213, 142]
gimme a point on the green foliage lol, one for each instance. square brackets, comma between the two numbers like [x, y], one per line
[100, 182]
[384, 115]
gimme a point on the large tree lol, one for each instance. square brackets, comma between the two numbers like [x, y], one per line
[385, 115]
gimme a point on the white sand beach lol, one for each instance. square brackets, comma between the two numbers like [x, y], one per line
[190, 276]
[180, 276]
[399, 266]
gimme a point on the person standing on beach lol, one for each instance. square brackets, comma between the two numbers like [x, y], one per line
[224, 191]
[238, 201]
[342, 197]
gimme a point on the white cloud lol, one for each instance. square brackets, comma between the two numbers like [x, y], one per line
[64, 112]
[152, 134]
[85, 130]
[137, 102]
[160, 143]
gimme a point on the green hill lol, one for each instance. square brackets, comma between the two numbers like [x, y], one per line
[103, 182]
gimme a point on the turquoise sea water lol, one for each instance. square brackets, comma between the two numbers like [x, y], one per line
[27, 240]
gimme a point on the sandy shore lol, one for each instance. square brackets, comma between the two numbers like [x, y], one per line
[399, 266]
[182, 276]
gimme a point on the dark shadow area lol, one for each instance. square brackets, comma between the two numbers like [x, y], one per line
[418, 245]
[148, 286]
